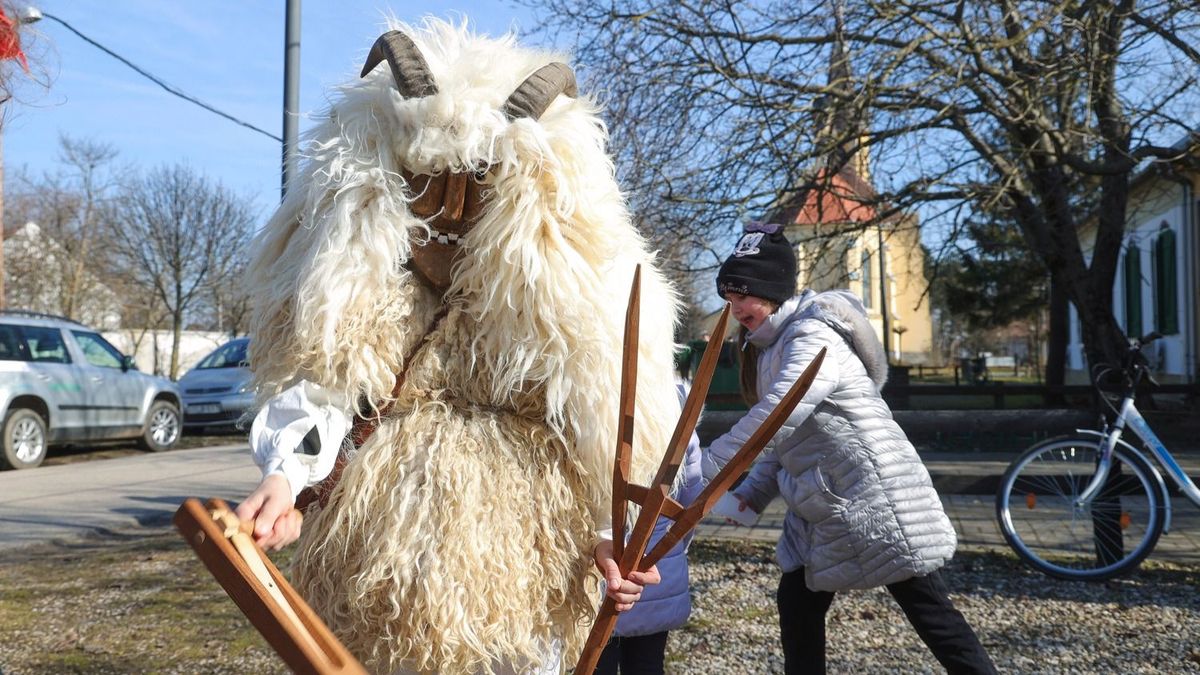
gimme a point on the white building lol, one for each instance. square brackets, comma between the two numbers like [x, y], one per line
[1157, 287]
[35, 269]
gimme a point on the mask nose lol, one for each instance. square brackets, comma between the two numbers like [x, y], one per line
[451, 203]
[453, 200]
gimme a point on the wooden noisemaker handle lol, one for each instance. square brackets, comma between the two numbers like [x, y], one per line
[653, 499]
[736, 466]
[287, 623]
[606, 622]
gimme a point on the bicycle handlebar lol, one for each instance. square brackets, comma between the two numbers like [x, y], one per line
[1146, 339]
[1134, 367]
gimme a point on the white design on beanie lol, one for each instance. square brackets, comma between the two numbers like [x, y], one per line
[748, 244]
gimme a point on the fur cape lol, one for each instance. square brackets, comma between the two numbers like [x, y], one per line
[845, 313]
[460, 534]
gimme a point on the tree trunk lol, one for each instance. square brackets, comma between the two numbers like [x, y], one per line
[1103, 340]
[1058, 335]
[176, 338]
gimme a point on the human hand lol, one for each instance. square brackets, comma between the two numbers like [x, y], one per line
[624, 592]
[735, 509]
[743, 507]
[269, 507]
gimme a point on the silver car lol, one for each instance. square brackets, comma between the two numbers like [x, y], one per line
[217, 392]
[61, 382]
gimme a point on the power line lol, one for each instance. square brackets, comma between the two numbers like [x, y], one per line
[159, 82]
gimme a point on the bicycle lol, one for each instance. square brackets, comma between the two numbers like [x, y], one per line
[1067, 506]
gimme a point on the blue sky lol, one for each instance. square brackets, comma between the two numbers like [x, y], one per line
[227, 53]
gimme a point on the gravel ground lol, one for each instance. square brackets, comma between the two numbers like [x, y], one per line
[144, 603]
[1029, 623]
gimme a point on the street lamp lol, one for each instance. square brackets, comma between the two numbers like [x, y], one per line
[29, 14]
[899, 330]
[24, 16]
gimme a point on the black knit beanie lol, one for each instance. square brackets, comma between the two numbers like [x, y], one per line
[763, 264]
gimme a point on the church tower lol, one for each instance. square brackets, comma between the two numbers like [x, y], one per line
[833, 219]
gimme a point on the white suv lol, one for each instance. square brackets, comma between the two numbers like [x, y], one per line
[61, 382]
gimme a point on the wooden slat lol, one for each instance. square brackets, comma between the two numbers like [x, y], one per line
[638, 493]
[655, 499]
[294, 631]
[626, 407]
[736, 466]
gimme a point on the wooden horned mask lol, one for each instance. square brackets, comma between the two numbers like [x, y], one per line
[452, 202]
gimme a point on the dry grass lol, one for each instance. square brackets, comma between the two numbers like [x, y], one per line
[144, 603]
[121, 605]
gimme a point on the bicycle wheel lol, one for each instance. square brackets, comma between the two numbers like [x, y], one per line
[1041, 521]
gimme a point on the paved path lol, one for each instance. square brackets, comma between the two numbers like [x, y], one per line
[974, 518]
[119, 495]
[967, 483]
[114, 495]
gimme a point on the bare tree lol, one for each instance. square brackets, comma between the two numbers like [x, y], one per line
[88, 161]
[1039, 113]
[15, 38]
[35, 263]
[226, 302]
[68, 206]
[178, 235]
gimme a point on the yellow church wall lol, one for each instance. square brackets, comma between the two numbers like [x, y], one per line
[827, 260]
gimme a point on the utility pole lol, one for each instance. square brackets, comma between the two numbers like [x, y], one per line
[291, 93]
[883, 297]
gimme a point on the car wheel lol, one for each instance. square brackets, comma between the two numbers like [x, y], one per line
[162, 427]
[25, 440]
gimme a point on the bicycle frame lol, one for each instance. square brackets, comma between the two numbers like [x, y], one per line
[1131, 416]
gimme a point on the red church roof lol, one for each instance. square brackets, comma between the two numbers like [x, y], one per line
[833, 198]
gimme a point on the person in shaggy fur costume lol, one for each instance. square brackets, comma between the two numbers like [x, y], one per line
[446, 281]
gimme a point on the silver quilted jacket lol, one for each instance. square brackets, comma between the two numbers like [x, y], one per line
[862, 511]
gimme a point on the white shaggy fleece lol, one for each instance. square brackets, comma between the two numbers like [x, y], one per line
[460, 534]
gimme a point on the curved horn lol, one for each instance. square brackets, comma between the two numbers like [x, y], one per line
[539, 89]
[409, 69]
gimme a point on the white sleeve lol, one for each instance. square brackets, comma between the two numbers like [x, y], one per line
[298, 434]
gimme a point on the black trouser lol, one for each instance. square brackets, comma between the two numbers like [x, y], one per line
[640, 655]
[925, 602]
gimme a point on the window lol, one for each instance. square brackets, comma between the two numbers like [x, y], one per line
[45, 345]
[866, 278]
[232, 354]
[1166, 301]
[1133, 291]
[10, 344]
[98, 351]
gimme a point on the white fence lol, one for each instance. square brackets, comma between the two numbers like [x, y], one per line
[1001, 362]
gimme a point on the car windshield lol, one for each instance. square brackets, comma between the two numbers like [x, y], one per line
[229, 355]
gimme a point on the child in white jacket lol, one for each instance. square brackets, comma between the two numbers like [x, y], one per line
[862, 511]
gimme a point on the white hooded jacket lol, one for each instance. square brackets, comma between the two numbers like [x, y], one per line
[862, 511]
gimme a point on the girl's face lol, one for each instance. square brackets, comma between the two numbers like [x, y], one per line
[749, 310]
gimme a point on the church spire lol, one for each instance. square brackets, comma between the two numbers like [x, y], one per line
[844, 127]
